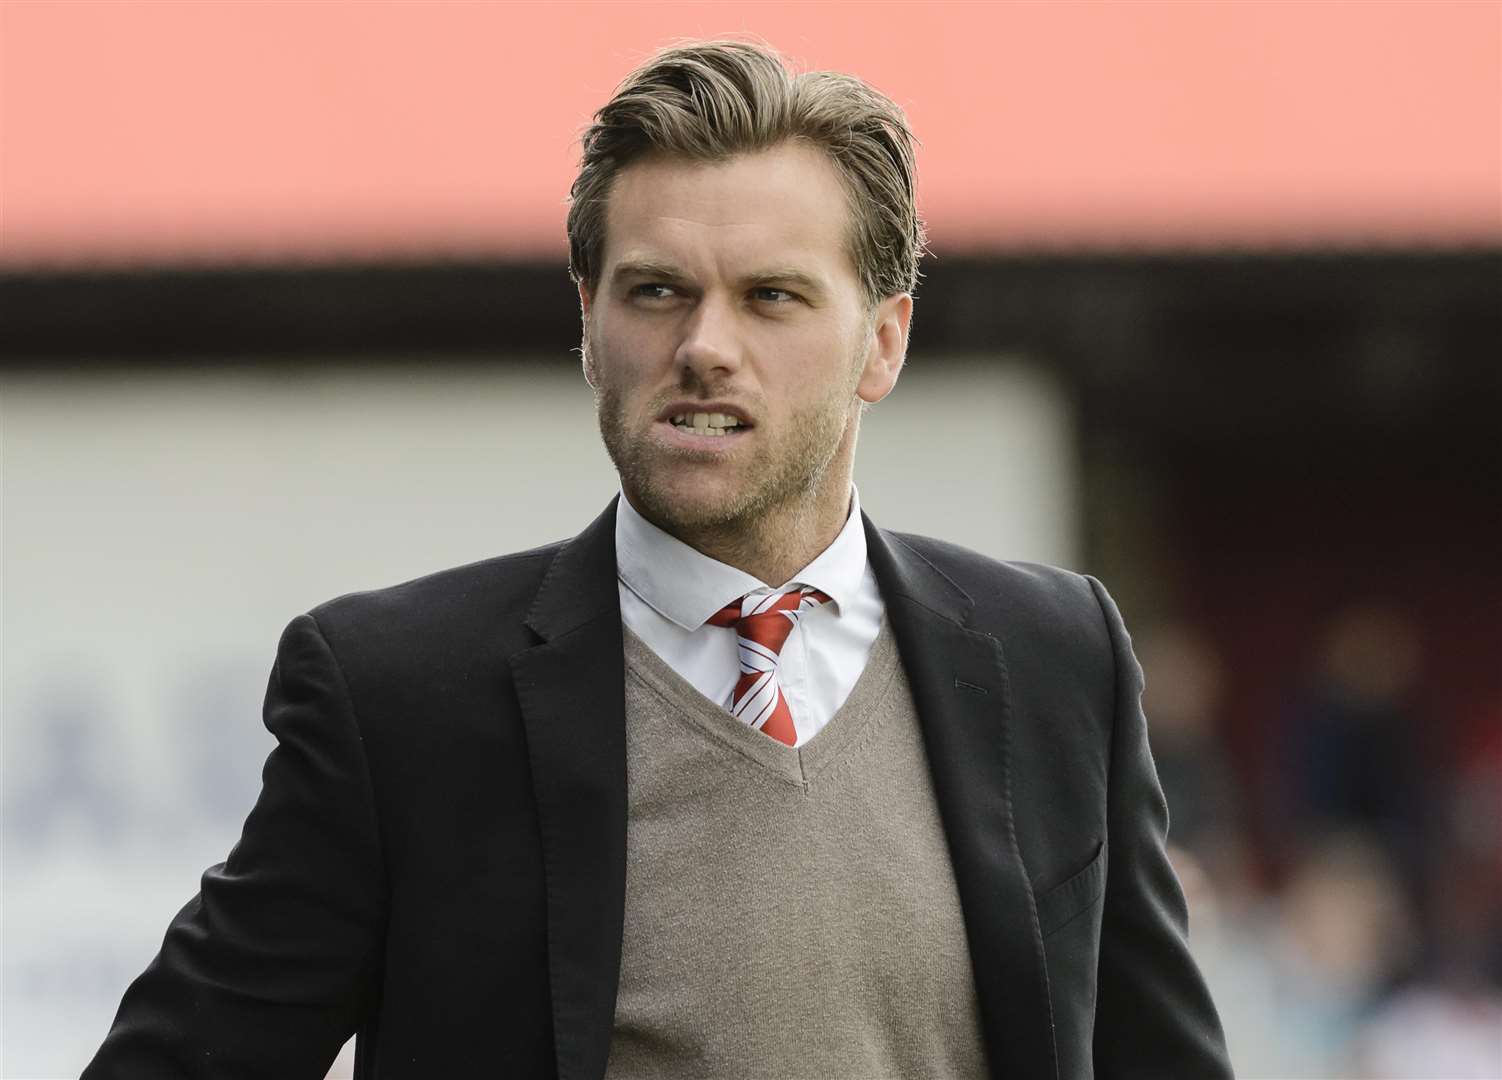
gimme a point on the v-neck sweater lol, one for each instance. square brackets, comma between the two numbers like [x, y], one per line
[790, 911]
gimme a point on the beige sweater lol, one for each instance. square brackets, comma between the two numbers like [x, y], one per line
[789, 912]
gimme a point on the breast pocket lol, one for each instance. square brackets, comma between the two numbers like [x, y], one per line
[1073, 896]
[1069, 916]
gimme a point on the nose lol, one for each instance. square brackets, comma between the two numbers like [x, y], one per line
[711, 347]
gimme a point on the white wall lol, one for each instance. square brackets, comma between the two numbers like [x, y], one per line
[161, 527]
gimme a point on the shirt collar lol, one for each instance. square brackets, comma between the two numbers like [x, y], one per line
[686, 586]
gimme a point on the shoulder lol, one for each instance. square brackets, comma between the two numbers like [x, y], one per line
[986, 580]
[481, 603]
[1031, 607]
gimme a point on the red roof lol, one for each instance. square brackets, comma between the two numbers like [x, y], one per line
[165, 131]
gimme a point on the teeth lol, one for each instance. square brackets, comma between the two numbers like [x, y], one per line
[704, 423]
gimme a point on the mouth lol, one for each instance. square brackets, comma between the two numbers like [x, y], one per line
[715, 427]
[712, 424]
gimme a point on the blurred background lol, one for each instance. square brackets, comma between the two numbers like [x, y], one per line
[1214, 312]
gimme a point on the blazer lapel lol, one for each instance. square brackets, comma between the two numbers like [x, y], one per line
[570, 688]
[960, 687]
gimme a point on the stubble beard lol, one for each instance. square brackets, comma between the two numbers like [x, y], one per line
[775, 491]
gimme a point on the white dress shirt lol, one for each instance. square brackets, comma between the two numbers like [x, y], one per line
[669, 590]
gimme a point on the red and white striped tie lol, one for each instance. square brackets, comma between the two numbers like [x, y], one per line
[762, 625]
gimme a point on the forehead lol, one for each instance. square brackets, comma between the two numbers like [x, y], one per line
[785, 205]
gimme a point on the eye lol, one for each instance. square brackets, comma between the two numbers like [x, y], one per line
[652, 290]
[773, 295]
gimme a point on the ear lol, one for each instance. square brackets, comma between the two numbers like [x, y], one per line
[888, 348]
[585, 299]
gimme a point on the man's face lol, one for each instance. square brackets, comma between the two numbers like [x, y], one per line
[727, 291]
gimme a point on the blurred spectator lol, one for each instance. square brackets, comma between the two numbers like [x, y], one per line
[1357, 754]
[1379, 954]
[1447, 1025]
[1466, 892]
[1297, 973]
[1346, 929]
[1434, 1033]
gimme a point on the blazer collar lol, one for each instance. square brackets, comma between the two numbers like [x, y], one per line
[579, 586]
[906, 575]
[963, 698]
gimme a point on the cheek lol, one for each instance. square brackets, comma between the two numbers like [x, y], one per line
[824, 373]
[625, 354]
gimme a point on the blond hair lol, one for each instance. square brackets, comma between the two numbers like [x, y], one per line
[712, 100]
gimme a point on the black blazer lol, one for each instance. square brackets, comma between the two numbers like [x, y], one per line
[437, 857]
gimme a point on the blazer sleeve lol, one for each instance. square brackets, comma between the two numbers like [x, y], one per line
[1154, 1017]
[268, 971]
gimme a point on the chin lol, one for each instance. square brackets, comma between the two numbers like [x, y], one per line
[690, 506]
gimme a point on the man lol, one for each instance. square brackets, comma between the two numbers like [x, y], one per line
[733, 783]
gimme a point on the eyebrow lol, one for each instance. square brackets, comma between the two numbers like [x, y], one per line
[787, 275]
[645, 268]
[664, 271]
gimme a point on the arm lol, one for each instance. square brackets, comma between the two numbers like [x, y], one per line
[1153, 1017]
[270, 968]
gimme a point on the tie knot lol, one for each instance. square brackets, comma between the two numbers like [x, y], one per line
[762, 608]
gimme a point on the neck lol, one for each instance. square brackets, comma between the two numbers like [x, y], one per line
[783, 541]
[775, 542]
